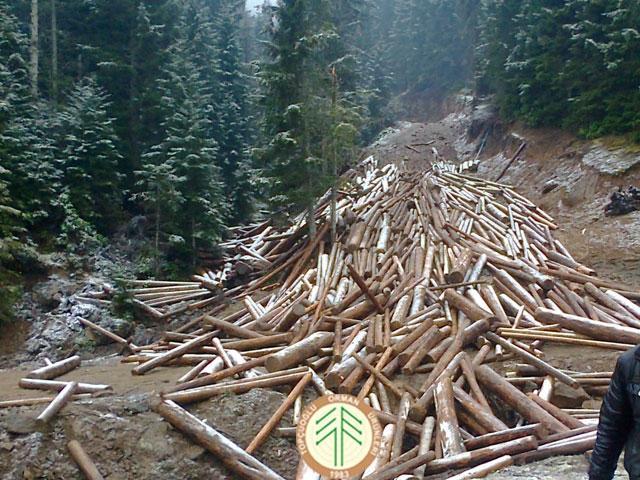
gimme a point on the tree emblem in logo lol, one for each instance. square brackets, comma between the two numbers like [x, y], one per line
[338, 436]
[335, 425]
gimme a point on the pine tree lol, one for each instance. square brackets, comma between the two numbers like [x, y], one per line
[563, 63]
[88, 156]
[159, 190]
[25, 145]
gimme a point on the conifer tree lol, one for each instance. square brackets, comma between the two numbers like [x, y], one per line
[233, 123]
[88, 156]
[298, 83]
[188, 154]
[25, 144]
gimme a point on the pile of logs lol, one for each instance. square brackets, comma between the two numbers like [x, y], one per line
[435, 280]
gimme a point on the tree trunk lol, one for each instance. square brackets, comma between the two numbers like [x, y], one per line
[193, 242]
[54, 52]
[156, 252]
[311, 221]
[34, 48]
[334, 155]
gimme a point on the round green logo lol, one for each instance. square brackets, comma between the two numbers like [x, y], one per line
[338, 436]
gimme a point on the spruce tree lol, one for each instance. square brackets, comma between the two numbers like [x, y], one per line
[298, 91]
[25, 145]
[188, 154]
[88, 156]
[233, 124]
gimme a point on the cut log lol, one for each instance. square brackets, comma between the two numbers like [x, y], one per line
[447, 420]
[277, 416]
[57, 403]
[233, 457]
[173, 354]
[485, 469]
[517, 400]
[591, 328]
[84, 462]
[56, 369]
[295, 354]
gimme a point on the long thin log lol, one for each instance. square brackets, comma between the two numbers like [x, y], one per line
[447, 420]
[49, 372]
[533, 360]
[232, 456]
[264, 432]
[591, 328]
[483, 455]
[403, 413]
[106, 333]
[173, 354]
[483, 470]
[56, 386]
[84, 462]
[298, 352]
[239, 386]
[564, 417]
[425, 442]
[517, 400]
[57, 403]
[363, 286]
[231, 328]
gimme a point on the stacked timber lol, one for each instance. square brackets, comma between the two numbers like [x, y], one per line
[433, 281]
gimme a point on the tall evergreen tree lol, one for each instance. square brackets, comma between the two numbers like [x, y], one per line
[25, 145]
[233, 123]
[299, 87]
[88, 156]
[187, 152]
[569, 64]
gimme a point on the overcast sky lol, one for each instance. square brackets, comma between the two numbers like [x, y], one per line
[251, 4]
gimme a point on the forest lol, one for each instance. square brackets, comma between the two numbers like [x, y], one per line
[192, 116]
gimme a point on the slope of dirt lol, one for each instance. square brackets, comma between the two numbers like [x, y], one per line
[610, 245]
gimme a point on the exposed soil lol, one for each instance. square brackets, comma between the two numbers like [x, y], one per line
[610, 245]
[127, 440]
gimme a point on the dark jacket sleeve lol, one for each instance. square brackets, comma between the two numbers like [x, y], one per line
[616, 422]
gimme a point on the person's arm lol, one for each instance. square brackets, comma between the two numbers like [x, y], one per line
[616, 421]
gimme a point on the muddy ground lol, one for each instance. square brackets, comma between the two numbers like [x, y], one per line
[127, 440]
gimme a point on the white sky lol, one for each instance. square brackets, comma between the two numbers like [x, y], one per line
[251, 4]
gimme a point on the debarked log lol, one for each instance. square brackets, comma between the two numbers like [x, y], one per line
[230, 454]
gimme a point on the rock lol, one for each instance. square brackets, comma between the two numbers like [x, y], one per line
[483, 115]
[8, 446]
[154, 441]
[567, 397]
[102, 317]
[193, 451]
[137, 404]
[550, 186]
[612, 161]
[49, 294]
[20, 425]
